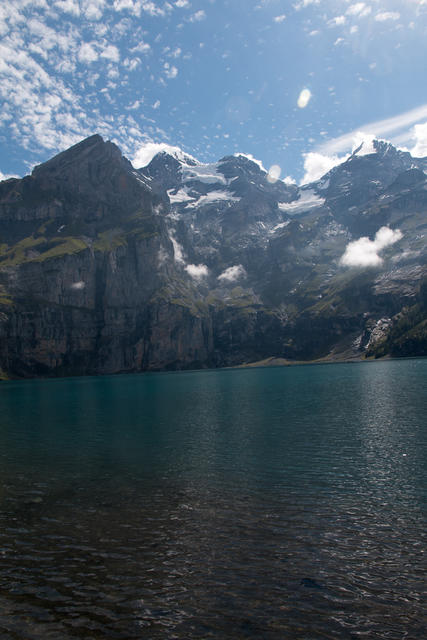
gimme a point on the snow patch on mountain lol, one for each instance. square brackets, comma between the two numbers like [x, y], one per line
[308, 200]
[180, 196]
[281, 225]
[206, 173]
[213, 196]
[323, 184]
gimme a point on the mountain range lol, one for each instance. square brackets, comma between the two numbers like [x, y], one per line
[107, 268]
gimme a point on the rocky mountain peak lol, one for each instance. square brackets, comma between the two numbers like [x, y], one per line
[238, 165]
[87, 152]
[93, 167]
[164, 169]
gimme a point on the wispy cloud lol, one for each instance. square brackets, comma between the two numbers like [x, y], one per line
[198, 16]
[387, 15]
[170, 70]
[389, 128]
[305, 3]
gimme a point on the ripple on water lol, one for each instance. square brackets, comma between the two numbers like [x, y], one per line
[216, 519]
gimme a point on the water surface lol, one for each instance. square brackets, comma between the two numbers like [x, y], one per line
[261, 503]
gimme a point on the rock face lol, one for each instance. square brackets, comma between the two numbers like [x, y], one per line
[105, 268]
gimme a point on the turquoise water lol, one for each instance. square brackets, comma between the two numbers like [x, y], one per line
[261, 503]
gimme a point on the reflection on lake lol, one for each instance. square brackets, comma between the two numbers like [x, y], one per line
[264, 503]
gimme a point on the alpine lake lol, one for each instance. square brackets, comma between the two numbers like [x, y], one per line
[267, 503]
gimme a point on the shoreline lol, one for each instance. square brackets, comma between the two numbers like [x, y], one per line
[270, 362]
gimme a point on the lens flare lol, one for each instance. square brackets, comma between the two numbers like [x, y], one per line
[304, 98]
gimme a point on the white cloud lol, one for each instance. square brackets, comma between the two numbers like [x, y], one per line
[6, 176]
[142, 47]
[420, 135]
[170, 70]
[131, 63]
[364, 252]
[111, 53]
[148, 150]
[133, 7]
[93, 9]
[152, 9]
[289, 180]
[337, 21]
[198, 16]
[305, 3]
[304, 98]
[317, 164]
[87, 53]
[233, 273]
[387, 15]
[359, 9]
[182, 4]
[134, 105]
[279, 19]
[68, 6]
[156, 105]
[365, 141]
[274, 173]
[197, 271]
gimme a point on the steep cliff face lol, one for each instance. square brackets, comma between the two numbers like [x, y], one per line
[84, 255]
[104, 268]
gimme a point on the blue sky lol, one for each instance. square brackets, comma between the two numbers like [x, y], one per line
[295, 84]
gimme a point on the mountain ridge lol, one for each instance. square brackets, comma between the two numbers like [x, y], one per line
[106, 268]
